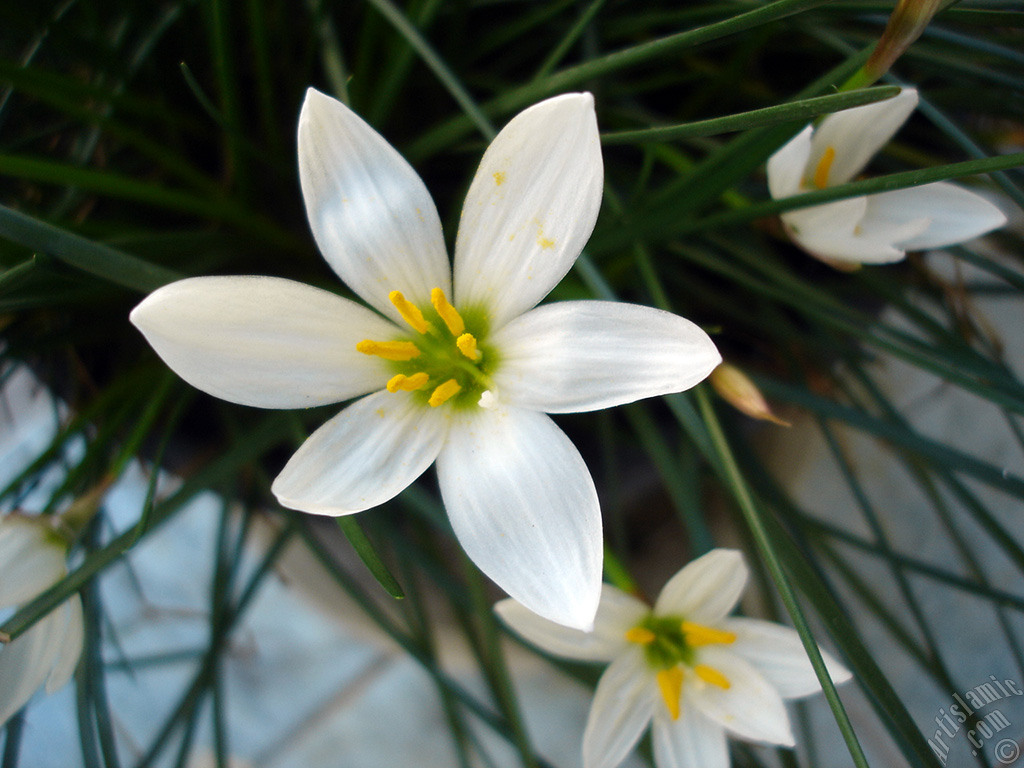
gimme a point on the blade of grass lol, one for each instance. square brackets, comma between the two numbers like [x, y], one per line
[74, 250]
[802, 110]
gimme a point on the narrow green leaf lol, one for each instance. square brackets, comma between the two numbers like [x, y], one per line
[100, 260]
[803, 109]
[364, 548]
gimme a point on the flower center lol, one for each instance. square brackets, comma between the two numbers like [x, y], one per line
[443, 361]
[670, 645]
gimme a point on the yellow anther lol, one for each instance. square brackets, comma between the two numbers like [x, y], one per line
[444, 393]
[712, 676]
[389, 350]
[824, 166]
[407, 383]
[409, 312]
[448, 313]
[670, 682]
[641, 635]
[467, 346]
[698, 634]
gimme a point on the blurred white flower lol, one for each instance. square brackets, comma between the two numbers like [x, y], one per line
[32, 559]
[466, 382]
[873, 229]
[685, 666]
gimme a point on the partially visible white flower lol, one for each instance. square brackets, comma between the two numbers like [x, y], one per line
[32, 559]
[685, 666]
[466, 382]
[874, 229]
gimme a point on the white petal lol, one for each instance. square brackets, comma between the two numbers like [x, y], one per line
[857, 134]
[706, 589]
[855, 250]
[264, 341]
[750, 708]
[838, 219]
[583, 355]
[692, 741]
[836, 232]
[954, 214]
[70, 649]
[778, 654]
[617, 613]
[531, 207]
[525, 509]
[620, 712]
[31, 558]
[787, 166]
[365, 455]
[26, 661]
[371, 215]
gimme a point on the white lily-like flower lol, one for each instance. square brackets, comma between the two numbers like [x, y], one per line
[465, 382]
[32, 559]
[872, 229]
[685, 666]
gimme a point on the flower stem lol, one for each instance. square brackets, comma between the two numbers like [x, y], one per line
[766, 548]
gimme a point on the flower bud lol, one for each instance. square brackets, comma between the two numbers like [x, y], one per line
[738, 390]
[908, 20]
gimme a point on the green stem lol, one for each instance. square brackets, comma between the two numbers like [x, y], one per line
[771, 560]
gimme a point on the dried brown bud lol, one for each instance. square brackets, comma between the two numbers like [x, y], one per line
[739, 391]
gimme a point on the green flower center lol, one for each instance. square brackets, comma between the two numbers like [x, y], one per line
[448, 361]
[669, 644]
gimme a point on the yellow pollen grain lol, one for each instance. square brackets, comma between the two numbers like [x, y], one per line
[641, 636]
[545, 242]
[698, 634]
[670, 683]
[467, 346]
[409, 312]
[712, 676]
[824, 166]
[389, 350]
[444, 393]
[448, 313]
[407, 383]
[499, 178]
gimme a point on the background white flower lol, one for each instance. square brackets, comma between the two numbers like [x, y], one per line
[32, 559]
[879, 228]
[685, 666]
[466, 382]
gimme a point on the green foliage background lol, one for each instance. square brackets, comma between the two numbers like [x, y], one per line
[141, 142]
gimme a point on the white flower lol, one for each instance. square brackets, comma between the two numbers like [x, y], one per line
[875, 229]
[686, 666]
[31, 560]
[467, 382]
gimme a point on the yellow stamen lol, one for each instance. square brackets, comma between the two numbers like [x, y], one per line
[670, 682]
[712, 676]
[641, 635]
[447, 312]
[444, 393]
[407, 383]
[389, 350]
[409, 312]
[467, 346]
[698, 634]
[824, 166]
